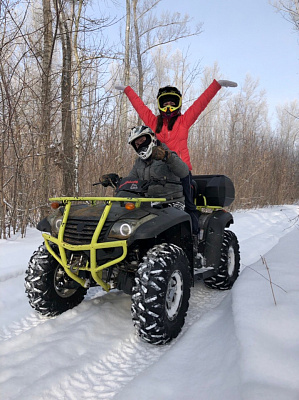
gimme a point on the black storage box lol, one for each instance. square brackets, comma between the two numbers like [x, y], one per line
[217, 189]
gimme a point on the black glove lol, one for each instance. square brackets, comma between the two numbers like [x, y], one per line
[159, 153]
[110, 180]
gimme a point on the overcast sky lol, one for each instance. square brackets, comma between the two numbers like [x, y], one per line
[244, 36]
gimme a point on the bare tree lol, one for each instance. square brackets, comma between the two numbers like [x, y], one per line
[124, 100]
[78, 60]
[289, 9]
[150, 32]
[68, 165]
[60, 126]
[288, 124]
[11, 91]
[46, 95]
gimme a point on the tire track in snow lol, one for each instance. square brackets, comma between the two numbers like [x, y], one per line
[105, 373]
[202, 300]
[17, 327]
[104, 378]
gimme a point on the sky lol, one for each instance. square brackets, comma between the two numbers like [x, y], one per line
[248, 37]
[234, 345]
[243, 37]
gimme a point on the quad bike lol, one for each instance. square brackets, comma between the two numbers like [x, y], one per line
[138, 245]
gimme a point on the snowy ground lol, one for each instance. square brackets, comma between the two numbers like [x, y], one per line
[235, 345]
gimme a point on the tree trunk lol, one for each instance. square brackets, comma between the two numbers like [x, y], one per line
[68, 165]
[46, 103]
[2, 202]
[138, 53]
[124, 108]
[79, 99]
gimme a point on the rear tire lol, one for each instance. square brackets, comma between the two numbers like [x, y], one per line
[160, 298]
[229, 268]
[48, 286]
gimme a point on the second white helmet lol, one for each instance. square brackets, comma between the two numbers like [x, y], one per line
[144, 151]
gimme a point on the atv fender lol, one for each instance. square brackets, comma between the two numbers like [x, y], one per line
[44, 226]
[216, 224]
[166, 219]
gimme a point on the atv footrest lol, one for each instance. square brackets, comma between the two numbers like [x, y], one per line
[203, 272]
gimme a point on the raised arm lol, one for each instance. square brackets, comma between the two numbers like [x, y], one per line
[193, 112]
[147, 116]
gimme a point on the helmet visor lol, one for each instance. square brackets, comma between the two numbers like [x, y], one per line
[144, 143]
[144, 149]
[173, 98]
[169, 102]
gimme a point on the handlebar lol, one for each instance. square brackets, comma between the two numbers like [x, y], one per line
[140, 186]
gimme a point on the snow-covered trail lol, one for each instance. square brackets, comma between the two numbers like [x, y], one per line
[91, 352]
[204, 364]
[96, 338]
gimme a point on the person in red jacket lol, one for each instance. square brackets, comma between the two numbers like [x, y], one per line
[172, 127]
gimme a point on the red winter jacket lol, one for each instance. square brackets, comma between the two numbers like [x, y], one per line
[177, 138]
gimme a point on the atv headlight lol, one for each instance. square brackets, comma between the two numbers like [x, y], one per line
[55, 221]
[56, 224]
[124, 229]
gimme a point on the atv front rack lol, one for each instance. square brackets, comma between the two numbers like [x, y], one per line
[91, 265]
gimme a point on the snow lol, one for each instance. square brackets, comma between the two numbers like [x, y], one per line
[235, 344]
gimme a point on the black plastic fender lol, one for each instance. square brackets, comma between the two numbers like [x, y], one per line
[166, 218]
[44, 226]
[216, 224]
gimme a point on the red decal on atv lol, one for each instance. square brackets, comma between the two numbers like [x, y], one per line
[126, 183]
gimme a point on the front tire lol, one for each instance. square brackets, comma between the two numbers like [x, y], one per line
[160, 298]
[49, 289]
[229, 268]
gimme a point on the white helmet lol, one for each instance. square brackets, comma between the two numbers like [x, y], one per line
[144, 151]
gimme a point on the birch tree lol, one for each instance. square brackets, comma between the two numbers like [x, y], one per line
[46, 96]
[78, 61]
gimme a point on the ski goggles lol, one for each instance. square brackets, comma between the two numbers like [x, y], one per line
[169, 97]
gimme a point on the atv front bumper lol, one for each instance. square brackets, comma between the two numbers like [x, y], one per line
[91, 265]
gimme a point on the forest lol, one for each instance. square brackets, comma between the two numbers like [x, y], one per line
[63, 125]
